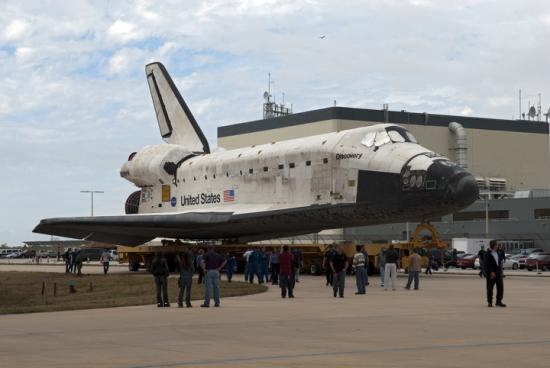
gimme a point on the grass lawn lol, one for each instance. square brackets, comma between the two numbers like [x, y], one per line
[20, 292]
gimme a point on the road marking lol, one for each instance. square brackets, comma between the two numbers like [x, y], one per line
[349, 352]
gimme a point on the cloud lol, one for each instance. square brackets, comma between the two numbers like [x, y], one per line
[23, 54]
[16, 29]
[123, 31]
[74, 101]
[466, 111]
[125, 61]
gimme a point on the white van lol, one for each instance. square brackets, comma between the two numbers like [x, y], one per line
[5, 252]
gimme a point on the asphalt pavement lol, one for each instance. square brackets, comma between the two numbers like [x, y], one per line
[444, 324]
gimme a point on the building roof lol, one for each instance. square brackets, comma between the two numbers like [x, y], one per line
[371, 115]
[55, 243]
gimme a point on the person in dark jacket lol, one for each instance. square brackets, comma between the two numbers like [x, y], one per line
[212, 263]
[274, 266]
[339, 266]
[78, 259]
[263, 265]
[327, 257]
[501, 257]
[481, 255]
[67, 258]
[230, 264]
[493, 273]
[160, 270]
[297, 253]
[253, 265]
[198, 260]
[430, 263]
[186, 267]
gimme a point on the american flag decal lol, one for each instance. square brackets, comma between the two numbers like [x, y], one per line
[229, 195]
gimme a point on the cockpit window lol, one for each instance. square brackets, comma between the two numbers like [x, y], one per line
[392, 134]
[368, 140]
[381, 138]
[395, 136]
[399, 135]
[411, 137]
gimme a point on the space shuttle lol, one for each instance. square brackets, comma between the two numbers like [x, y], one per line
[366, 176]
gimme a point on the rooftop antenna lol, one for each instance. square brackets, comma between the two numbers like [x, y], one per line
[520, 105]
[539, 108]
[386, 112]
[271, 108]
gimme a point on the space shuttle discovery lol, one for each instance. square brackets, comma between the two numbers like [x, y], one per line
[365, 176]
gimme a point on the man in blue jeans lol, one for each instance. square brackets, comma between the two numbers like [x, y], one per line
[211, 263]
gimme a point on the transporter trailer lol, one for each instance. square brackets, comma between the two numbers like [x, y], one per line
[425, 238]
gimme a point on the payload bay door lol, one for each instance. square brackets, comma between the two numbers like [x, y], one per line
[344, 184]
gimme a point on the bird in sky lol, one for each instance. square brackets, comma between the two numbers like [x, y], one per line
[322, 37]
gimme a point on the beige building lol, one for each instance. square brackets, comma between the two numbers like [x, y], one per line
[503, 154]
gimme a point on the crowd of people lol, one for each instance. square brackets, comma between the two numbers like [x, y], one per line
[278, 267]
[74, 259]
[282, 268]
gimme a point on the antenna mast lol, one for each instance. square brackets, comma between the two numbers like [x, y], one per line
[271, 108]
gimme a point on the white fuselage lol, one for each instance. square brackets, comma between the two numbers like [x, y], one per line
[321, 169]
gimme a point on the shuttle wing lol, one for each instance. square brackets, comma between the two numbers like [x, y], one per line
[129, 229]
[242, 223]
[176, 123]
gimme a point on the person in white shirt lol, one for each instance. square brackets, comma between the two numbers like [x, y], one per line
[359, 265]
[105, 259]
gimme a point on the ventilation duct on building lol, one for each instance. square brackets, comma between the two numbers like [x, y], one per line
[461, 143]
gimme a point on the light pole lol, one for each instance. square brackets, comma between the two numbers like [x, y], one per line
[92, 196]
[487, 216]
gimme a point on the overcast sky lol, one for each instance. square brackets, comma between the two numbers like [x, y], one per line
[74, 101]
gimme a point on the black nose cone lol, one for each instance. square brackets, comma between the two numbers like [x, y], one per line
[465, 189]
[457, 188]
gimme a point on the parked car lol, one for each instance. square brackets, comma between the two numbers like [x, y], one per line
[528, 251]
[5, 252]
[13, 255]
[468, 261]
[542, 259]
[509, 262]
[24, 254]
[523, 259]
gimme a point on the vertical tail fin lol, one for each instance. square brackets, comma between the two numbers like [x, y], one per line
[176, 123]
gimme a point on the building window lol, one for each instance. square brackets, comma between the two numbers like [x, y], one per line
[480, 215]
[205, 177]
[265, 168]
[542, 213]
[308, 163]
[291, 165]
[241, 172]
[227, 174]
[194, 178]
[325, 160]
[214, 176]
[281, 166]
[251, 171]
